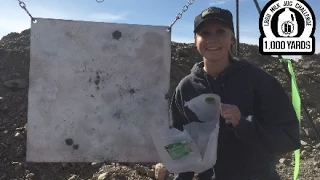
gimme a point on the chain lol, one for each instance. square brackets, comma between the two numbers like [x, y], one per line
[24, 6]
[179, 15]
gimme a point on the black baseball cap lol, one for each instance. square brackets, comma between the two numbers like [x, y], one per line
[214, 13]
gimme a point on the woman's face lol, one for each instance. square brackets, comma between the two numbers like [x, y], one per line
[214, 41]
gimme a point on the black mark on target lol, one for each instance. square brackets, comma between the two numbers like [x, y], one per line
[132, 91]
[76, 146]
[97, 81]
[116, 35]
[117, 114]
[69, 141]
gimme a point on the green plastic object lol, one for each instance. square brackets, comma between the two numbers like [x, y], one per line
[296, 101]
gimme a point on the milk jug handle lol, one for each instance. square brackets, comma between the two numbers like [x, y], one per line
[292, 17]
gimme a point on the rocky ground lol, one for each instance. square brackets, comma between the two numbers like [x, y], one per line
[14, 67]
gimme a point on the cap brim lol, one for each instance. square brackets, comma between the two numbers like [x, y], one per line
[212, 19]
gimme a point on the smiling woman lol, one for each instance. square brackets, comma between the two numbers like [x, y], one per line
[257, 119]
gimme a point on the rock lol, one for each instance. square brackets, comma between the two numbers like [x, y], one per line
[315, 151]
[316, 164]
[30, 175]
[308, 148]
[18, 135]
[284, 161]
[317, 157]
[310, 133]
[303, 143]
[140, 169]
[16, 84]
[103, 176]
[317, 146]
[20, 129]
[94, 164]
[289, 155]
[74, 177]
[304, 154]
[160, 172]
[151, 173]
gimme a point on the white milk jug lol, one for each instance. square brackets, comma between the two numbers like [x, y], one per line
[195, 148]
[177, 150]
[287, 24]
[207, 109]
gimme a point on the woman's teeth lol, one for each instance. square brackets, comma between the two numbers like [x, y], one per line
[213, 49]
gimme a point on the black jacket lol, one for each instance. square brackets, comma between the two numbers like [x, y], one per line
[268, 127]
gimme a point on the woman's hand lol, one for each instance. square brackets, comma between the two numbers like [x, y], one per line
[231, 113]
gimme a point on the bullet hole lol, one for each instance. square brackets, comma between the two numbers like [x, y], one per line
[97, 82]
[92, 95]
[92, 59]
[132, 91]
[98, 87]
[76, 146]
[116, 35]
[69, 141]
[90, 80]
[117, 114]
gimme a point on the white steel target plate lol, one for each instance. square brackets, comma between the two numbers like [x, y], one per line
[95, 91]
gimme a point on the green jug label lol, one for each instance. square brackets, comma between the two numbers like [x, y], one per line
[210, 100]
[178, 150]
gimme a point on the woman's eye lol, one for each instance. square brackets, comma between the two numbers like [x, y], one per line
[205, 33]
[220, 31]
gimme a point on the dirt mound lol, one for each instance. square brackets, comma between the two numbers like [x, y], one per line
[14, 68]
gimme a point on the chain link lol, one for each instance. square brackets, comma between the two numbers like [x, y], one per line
[24, 6]
[179, 15]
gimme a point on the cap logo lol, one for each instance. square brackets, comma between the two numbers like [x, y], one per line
[210, 11]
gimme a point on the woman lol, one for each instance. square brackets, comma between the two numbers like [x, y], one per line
[258, 121]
